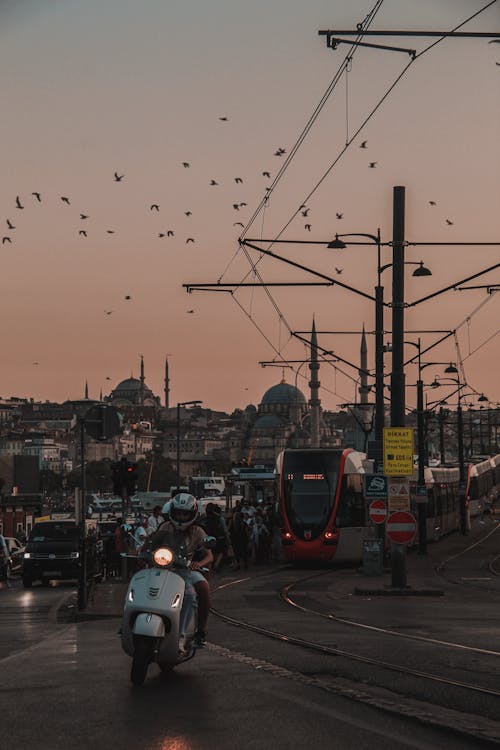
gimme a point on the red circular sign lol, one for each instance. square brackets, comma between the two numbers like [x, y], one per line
[401, 527]
[378, 511]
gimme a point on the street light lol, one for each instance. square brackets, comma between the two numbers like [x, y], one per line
[178, 463]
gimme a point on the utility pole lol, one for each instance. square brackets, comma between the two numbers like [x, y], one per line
[398, 551]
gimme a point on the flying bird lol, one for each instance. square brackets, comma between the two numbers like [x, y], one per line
[450, 223]
[38, 197]
[306, 212]
[238, 224]
[243, 204]
[280, 152]
[110, 231]
[82, 232]
[363, 144]
[35, 363]
[190, 311]
[6, 239]
[339, 270]
[238, 179]
[432, 203]
[339, 216]
[119, 177]
[10, 224]
[65, 200]
[154, 207]
[186, 164]
[373, 164]
[308, 227]
[188, 213]
[18, 202]
[107, 377]
[108, 312]
[170, 233]
[494, 41]
[189, 239]
[212, 182]
[236, 206]
[266, 174]
[223, 119]
[83, 216]
[497, 63]
[127, 296]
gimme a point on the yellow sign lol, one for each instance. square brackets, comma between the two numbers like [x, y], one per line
[42, 519]
[398, 451]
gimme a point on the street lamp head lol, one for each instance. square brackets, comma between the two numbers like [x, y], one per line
[451, 368]
[422, 270]
[336, 244]
[482, 398]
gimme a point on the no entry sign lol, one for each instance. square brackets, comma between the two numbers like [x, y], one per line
[378, 511]
[401, 527]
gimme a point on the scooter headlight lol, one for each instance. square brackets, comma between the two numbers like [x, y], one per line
[163, 557]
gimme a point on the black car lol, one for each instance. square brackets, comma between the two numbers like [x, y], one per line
[53, 551]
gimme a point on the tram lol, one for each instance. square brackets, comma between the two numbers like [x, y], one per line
[321, 503]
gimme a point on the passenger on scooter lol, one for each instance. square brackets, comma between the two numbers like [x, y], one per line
[180, 528]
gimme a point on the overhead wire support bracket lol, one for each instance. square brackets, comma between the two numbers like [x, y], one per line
[407, 32]
[332, 42]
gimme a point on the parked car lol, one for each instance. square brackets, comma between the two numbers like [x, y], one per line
[53, 551]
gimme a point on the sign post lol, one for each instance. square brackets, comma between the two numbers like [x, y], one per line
[398, 451]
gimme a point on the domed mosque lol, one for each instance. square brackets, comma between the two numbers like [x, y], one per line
[133, 398]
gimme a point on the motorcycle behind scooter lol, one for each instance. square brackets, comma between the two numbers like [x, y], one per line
[160, 612]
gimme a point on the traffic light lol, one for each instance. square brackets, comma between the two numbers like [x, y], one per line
[117, 479]
[131, 478]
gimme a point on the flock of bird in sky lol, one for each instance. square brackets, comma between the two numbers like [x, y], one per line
[36, 196]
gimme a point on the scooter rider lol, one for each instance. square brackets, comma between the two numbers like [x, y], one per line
[181, 528]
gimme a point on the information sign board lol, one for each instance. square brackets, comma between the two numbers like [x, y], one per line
[398, 451]
[375, 486]
[399, 494]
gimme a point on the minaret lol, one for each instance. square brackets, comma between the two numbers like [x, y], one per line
[86, 391]
[100, 395]
[314, 384]
[167, 385]
[362, 372]
[141, 394]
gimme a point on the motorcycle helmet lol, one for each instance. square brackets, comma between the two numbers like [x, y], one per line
[183, 510]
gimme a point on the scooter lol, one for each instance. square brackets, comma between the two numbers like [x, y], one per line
[160, 612]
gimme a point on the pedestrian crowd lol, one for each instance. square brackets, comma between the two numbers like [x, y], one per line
[247, 534]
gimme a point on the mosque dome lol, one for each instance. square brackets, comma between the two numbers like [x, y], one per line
[268, 421]
[283, 394]
[128, 385]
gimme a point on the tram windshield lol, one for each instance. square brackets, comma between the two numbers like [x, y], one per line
[310, 483]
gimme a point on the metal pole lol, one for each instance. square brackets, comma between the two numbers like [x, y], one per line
[398, 551]
[471, 433]
[398, 258]
[379, 360]
[442, 455]
[82, 581]
[461, 465]
[178, 464]
[422, 506]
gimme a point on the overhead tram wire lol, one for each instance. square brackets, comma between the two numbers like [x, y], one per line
[486, 341]
[317, 111]
[341, 153]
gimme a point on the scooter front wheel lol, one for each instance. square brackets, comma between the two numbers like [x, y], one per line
[143, 654]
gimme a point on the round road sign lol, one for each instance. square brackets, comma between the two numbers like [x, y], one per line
[401, 527]
[378, 511]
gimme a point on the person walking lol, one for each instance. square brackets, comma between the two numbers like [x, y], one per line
[155, 520]
[239, 533]
[4, 563]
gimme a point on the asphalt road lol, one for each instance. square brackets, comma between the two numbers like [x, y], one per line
[67, 686]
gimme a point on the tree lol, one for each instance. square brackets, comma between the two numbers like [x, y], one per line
[163, 474]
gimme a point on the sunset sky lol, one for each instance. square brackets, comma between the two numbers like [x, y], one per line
[137, 88]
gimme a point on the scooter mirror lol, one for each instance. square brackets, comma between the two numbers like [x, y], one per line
[210, 542]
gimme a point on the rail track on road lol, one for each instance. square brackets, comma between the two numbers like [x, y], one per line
[410, 682]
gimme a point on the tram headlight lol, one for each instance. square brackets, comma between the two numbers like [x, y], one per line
[329, 534]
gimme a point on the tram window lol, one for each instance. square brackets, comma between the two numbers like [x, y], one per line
[351, 509]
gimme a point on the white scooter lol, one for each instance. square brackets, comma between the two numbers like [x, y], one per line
[160, 613]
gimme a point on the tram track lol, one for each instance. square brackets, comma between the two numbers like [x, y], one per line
[472, 699]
